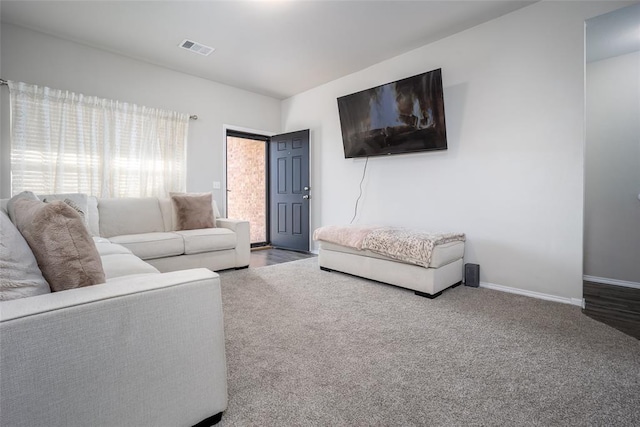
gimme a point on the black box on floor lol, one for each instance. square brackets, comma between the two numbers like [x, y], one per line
[472, 275]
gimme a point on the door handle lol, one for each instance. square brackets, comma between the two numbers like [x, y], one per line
[307, 188]
[306, 196]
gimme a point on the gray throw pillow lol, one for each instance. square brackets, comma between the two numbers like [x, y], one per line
[28, 195]
[20, 276]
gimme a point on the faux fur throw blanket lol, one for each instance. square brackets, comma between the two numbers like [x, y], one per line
[350, 236]
[402, 244]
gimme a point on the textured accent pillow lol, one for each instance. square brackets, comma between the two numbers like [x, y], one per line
[20, 276]
[59, 239]
[76, 208]
[81, 201]
[193, 211]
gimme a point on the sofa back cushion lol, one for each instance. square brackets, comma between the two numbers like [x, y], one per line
[129, 215]
[166, 207]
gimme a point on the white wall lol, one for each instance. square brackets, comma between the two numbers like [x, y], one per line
[40, 59]
[612, 169]
[512, 178]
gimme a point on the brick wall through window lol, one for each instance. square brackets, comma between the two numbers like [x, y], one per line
[246, 180]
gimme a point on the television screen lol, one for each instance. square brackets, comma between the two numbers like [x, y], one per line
[405, 116]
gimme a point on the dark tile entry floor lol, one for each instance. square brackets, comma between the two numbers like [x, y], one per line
[264, 257]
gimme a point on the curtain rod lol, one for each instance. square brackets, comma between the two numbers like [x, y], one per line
[3, 82]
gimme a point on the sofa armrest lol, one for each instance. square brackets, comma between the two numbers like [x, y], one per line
[243, 236]
[140, 350]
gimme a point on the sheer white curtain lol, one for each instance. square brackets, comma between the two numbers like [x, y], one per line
[64, 142]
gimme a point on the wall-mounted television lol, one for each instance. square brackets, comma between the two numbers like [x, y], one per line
[404, 116]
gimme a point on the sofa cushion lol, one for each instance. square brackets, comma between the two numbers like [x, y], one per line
[166, 207]
[193, 211]
[60, 241]
[105, 247]
[119, 265]
[118, 261]
[129, 215]
[20, 276]
[152, 245]
[207, 239]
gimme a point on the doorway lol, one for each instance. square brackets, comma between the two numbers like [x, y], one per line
[247, 185]
[611, 275]
[268, 185]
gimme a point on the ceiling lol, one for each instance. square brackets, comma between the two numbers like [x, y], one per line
[613, 34]
[276, 48]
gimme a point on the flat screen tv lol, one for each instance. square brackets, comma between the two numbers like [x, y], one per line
[404, 116]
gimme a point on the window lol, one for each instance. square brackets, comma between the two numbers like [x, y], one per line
[63, 142]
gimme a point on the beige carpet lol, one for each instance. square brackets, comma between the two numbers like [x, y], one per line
[311, 348]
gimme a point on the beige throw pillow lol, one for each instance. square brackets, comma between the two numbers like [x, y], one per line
[66, 253]
[193, 211]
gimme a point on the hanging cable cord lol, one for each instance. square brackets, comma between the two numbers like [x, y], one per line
[364, 172]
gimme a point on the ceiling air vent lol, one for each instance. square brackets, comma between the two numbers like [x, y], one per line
[196, 47]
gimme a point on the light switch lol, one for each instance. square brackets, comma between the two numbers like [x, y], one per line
[216, 185]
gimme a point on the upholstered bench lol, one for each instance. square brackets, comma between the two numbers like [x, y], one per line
[426, 263]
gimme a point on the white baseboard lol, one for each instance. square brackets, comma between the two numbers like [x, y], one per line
[615, 282]
[572, 301]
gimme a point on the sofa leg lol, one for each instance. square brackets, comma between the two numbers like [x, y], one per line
[213, 420]
[423, 294]
[242, 268]
[326, 269]
[455, 285]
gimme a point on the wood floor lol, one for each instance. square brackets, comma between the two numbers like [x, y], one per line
[264, 257]
[617, 306]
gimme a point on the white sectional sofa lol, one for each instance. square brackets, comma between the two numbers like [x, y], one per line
[146, 348]
[146, 226]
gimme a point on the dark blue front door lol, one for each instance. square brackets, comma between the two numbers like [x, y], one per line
[289, 190]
